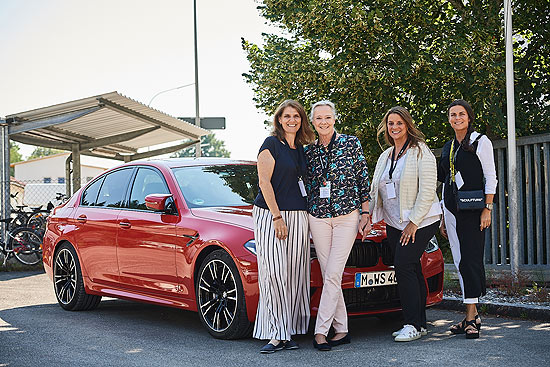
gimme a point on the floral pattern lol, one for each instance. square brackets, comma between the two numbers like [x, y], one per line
[347, 173]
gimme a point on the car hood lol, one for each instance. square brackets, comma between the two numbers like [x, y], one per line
[240, 216]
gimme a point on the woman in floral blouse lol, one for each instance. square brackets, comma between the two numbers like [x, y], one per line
[338, 194]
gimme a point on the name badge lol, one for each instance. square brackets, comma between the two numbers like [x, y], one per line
[459, 180]
[324, 191]
[302, 187]
[390, 189]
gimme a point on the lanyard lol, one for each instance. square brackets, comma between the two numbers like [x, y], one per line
[329, 158]
[392, 166]
[299, 170]
[452, 158]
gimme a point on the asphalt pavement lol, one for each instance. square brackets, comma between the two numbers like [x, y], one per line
[35, 331]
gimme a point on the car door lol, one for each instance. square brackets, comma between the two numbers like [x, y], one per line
[96, 219]
[146, 249]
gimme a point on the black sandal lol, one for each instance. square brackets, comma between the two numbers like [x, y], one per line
[458, 328]
[461, 326]
[473, 332]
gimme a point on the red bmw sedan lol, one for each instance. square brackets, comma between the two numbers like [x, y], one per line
[179, 232]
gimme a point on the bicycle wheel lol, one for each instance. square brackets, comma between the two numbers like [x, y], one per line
[20, 220]
[37, 221]
[26, 245]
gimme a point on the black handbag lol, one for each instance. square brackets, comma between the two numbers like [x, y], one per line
[466, 200]
[470, 200]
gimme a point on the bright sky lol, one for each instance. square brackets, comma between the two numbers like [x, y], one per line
[57, 51]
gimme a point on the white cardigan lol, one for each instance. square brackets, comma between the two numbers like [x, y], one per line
[418, 182]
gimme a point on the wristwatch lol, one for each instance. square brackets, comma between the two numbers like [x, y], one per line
[489, 206]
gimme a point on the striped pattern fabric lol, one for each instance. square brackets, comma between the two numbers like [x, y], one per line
[283, 275]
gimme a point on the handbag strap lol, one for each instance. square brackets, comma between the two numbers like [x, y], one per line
[452, 156]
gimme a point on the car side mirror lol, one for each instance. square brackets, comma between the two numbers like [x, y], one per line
[157, 202]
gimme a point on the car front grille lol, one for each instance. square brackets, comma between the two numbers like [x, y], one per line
[367, 254]
[371, 298]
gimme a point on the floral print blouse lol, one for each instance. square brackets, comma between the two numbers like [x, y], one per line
[346, 172]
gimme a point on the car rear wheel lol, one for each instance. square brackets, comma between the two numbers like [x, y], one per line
[68, 282]
[220, 297]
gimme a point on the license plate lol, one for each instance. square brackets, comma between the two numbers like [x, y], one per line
[375, 279]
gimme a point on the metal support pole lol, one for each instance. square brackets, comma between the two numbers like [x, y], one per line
[5, 176]
[68, 190]
[197, 115]
[76, 168]
[511, 119]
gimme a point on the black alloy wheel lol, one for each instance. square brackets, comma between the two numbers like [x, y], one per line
[68, 282]
[65, 276]
[220, 297]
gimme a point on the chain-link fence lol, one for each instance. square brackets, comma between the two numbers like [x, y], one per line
[33, 193]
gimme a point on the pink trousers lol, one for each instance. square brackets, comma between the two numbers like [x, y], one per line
[333, 239]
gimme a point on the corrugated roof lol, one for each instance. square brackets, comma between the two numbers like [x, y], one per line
[104, 116]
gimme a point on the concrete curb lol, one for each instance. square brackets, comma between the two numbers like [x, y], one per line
[521, 311]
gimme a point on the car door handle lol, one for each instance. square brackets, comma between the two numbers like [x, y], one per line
[124, 224]
[82, 218]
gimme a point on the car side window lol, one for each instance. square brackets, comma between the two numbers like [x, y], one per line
[147, 181]
[89, 195]
[111, 194]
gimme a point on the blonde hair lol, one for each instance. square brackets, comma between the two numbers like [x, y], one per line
[413, 133]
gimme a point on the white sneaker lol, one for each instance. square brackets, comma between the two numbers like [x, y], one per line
[423, 332]
[407, 334]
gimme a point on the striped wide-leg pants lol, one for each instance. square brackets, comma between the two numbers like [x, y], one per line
[283, 276]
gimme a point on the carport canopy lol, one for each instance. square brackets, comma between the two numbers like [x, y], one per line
[109, 125]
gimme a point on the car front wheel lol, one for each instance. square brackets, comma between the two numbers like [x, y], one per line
[220, 297]
[68, 282]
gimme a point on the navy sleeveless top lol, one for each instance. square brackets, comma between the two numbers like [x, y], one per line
[289, 165]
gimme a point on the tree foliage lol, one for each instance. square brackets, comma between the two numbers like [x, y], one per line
[39, 152]
[367, 56]
[210, 147]
[15, 156]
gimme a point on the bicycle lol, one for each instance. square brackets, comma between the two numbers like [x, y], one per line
[37, 220]
[23, 243]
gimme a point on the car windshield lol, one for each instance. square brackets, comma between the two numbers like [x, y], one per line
[219, 185]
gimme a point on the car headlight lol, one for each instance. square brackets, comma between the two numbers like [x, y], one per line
[251, 246]
[432, 245]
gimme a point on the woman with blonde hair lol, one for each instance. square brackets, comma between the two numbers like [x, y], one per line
[403, 194]
[338, 207]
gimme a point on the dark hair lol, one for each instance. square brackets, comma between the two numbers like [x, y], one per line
[465, 144]
[304, 135]
[414, 134]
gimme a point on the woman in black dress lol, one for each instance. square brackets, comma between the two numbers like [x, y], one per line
[467, 164]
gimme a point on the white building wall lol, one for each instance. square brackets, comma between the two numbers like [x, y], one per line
[52, 167]
[33, 174]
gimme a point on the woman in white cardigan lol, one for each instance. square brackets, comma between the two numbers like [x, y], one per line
[403, 194]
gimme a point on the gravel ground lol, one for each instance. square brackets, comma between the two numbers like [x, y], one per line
[498, 296]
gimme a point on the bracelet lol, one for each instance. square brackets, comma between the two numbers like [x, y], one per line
[277, 218]
[365, 212]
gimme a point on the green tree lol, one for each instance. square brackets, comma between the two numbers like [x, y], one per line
[210, 147]
[39, 152]
[15, 156]
[367, 56]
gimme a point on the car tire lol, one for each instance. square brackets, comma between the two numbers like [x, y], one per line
[220, 297]
[68, 283]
